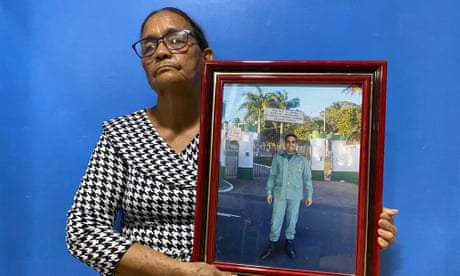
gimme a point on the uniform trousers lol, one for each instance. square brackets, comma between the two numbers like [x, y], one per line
[282, 208]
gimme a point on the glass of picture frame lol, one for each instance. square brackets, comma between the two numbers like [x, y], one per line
[337, 111]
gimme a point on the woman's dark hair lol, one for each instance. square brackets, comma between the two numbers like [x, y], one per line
[198, 33]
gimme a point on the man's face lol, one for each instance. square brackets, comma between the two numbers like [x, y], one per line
[290, 144]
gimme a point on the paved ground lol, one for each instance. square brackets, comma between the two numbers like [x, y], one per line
[326, 231]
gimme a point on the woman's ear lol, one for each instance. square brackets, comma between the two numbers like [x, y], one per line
[208, 54]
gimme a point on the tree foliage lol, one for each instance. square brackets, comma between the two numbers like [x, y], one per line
[344, 118]
[340, 117]
[255, 104]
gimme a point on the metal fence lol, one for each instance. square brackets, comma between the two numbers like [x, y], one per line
[231, 168]
[261, 170]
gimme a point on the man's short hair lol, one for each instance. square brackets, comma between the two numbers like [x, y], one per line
[290, 135]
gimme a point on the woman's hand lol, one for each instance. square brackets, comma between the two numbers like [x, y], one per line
[387, 231]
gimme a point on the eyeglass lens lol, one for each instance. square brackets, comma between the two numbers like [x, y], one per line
[174, 41]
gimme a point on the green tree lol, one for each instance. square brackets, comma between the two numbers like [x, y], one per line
[350, 123]
[236, 121]
[344, 118]
[304, 130]
[255, 104]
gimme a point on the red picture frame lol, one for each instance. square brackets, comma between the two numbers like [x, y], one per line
[348, 188]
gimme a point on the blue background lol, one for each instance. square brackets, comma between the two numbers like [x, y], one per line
[65, 66]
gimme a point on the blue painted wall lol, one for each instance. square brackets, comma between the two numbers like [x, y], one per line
[65, 66]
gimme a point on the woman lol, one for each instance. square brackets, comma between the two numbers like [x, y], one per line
[144, 165]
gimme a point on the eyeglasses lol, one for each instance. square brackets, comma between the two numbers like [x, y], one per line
[173, 40]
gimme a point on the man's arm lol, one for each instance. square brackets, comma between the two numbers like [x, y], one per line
[271, 179]
[308, 186]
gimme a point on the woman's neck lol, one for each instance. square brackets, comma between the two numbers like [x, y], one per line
[177, 124]
[176, 113]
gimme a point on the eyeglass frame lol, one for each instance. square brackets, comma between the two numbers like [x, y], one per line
[157, 41]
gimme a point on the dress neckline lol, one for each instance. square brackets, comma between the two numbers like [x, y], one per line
[165, 144]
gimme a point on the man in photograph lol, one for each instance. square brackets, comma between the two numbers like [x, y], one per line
[288, 184]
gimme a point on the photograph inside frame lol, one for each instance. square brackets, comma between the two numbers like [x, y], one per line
[325, 120]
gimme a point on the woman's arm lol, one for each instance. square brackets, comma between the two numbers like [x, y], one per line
[90, 233]
[142, 260]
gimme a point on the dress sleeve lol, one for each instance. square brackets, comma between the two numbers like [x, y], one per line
[90, 233]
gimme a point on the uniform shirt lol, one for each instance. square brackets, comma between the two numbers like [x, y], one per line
[290, 178]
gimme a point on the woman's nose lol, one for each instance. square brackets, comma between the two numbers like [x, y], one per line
[162, 51]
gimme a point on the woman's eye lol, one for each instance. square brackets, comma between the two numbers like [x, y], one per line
[148, 47]
[176, 40]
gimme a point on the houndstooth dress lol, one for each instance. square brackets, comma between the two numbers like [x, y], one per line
[134, 171]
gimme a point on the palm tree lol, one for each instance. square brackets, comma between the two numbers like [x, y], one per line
[353, 89]
[255, 104]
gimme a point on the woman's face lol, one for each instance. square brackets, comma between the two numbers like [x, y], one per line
[167, 68]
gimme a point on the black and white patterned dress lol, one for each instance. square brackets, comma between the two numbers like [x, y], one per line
[134, 171]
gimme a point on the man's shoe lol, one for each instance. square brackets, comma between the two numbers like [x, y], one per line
[270, 248]
[289, 249]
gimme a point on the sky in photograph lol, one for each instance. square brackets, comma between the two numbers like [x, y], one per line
[313, 98]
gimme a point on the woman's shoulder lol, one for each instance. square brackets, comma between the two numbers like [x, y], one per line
[133, 119]
[132, 124]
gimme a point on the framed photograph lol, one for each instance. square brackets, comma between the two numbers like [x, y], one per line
[335, 110]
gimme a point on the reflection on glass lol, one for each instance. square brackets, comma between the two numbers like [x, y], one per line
[327, 122]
